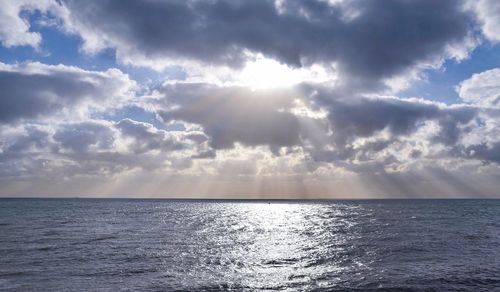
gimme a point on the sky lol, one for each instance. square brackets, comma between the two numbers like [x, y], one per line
[250, 99]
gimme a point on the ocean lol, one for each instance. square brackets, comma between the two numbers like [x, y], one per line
[193, 245]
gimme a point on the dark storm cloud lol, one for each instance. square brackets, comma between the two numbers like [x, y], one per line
[381, 39]
[30, 96]
[34, 90]
[355, 117]
[365, 116]
[234, 114]
[146, 137]
[484, 152]
[81, 136]
[33, 139]
[229, 115]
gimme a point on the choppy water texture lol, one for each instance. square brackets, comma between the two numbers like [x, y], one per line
[112, 245]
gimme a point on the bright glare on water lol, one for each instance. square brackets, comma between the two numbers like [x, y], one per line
[111, 245]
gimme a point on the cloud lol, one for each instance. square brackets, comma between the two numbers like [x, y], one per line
[398, 116]
[15, 30]
[361, 133]
[33, 90]
[482, 89]
[307, 130]
[145, 137]
[488, 15]
[92, 148]
[389, 159]
[88, 136]
[368, 40]
[25, 140]
[484, 152]
[233, 114]
[378, 134]
[481, 141]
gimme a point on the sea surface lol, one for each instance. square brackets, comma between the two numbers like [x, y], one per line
[167, 245]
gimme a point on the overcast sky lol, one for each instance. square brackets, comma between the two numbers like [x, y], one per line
[250, 99]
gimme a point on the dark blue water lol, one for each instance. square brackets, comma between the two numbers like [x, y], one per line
[113, 245]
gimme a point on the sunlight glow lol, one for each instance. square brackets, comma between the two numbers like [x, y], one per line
[264, 73]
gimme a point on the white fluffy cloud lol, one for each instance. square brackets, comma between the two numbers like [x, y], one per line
[14, 29]
[488, 15]
[482, 88]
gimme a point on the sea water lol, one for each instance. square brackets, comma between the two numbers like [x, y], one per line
[164, 245]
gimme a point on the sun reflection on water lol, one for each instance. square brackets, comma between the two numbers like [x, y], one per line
[266, 245]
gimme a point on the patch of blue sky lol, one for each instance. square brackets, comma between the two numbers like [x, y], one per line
[440, 85]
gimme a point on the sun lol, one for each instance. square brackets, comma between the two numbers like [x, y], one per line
[265, 73]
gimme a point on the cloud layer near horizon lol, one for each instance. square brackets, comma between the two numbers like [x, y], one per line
[346, 134]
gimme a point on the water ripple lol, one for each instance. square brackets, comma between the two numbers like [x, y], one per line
[108, 245]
